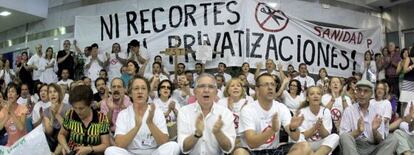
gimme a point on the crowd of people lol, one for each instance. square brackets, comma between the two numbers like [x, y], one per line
[117, 102]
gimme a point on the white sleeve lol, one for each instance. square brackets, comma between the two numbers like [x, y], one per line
[121, 122]
[285, 116]
[35, 113]
[327, 119]
[42, 65]
[55, 67]
[346, 121]
[184, 128]
[407, 109]
[388, 109]
[246, 120]
[228, 129]
[160, 121]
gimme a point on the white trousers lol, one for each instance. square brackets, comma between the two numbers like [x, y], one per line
[170, 148]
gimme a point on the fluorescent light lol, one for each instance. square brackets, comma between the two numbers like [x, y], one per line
[5, 13]
[272, 4]
[55, 38]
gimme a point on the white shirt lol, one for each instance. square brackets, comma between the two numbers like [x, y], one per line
[227, 77]
[305, 80]
[350, 118]
[48, 75]
[337, 107]
[250, 79]
[143, 139]
[34, 60]
[311, 118]
[163, 106]
[254, 117]
[93, 71]
[177, 95]
[385, 110]
[237, 107]
[151, 75]
[23, 101]
[404, 126]
[36, 110]
[292, 103]
[207, 144]
[276, 73]
[114, 67]
[67, 82]
[7, 75]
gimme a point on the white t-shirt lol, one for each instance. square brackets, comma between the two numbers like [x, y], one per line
[36, 110]
[292, 103]
[385, 110]
[337, 107]
[250, 79]
[236, 108]
[95, 68]
[305, 80]
[114, 67]
[67, 82]
[7, 75]
[273, 73]
[310, 120]
[207, 144]
[163, 106]
[150, 75]
[254, 117]
[34, 60]
[143, 139]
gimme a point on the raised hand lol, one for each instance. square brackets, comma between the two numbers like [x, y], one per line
[171, 106]
[376, 122]
[361, 125]
[218, 125]
[275, 122]
[296, 121]
[199, 124]
[151, 114]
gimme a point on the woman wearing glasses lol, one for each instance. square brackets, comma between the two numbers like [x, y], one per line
[168, 106]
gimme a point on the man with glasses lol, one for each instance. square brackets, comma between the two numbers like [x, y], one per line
[205, 127]
[261, 121]
[361, 130]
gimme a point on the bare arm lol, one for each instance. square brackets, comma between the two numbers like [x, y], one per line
[223, 141]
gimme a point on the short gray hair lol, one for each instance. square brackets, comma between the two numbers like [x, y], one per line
[205, 75]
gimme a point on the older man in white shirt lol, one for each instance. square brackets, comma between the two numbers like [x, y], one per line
[361, 130]
[205, 127]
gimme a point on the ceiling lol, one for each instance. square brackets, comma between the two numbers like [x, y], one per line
[16, 18]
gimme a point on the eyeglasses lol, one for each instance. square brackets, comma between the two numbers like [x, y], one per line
[359, 90]
[209, 86]
[165, 87]
[267, 85]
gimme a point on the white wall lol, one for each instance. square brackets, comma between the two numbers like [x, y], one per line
[63, 13]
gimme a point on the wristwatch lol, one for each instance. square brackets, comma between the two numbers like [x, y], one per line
[197, 136]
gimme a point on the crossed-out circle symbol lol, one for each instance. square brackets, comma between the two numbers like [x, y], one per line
[271, 139]
[336, 114]
[264, 13]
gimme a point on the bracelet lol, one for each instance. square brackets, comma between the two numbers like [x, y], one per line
[92, 149]
[197, 136]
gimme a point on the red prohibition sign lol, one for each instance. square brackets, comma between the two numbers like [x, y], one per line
[271, 139]
[336, 114]
[279, 19]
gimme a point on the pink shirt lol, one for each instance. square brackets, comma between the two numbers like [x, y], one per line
[11, 128]
[116, 110]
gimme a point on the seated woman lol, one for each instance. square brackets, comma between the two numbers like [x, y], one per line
[13, 115]
[235, 99]
[168, 106]
[53, 116]
[317, 125]
[85, 131]
[141, 128]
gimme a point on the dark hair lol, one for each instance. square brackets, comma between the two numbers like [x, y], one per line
[99, 78]
[159, 64]
[349, 81]
[104, 70]
[260, 76]
[219, 75]
[188, 72]
[135, 64]
[112, 50]
[181, 64]
[46, 52]
[221, 63]
[200, 64]
[81, 93]
[118, 78]
[85, 77]
[133, 43]
[94, 45]
[157, 56]
[10, 86]
[298, 85]
[370, 54]
[171, 87]
[302, 64]
[58, 89]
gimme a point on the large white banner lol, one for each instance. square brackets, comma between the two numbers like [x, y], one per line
[34, 143]
[243, 31]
